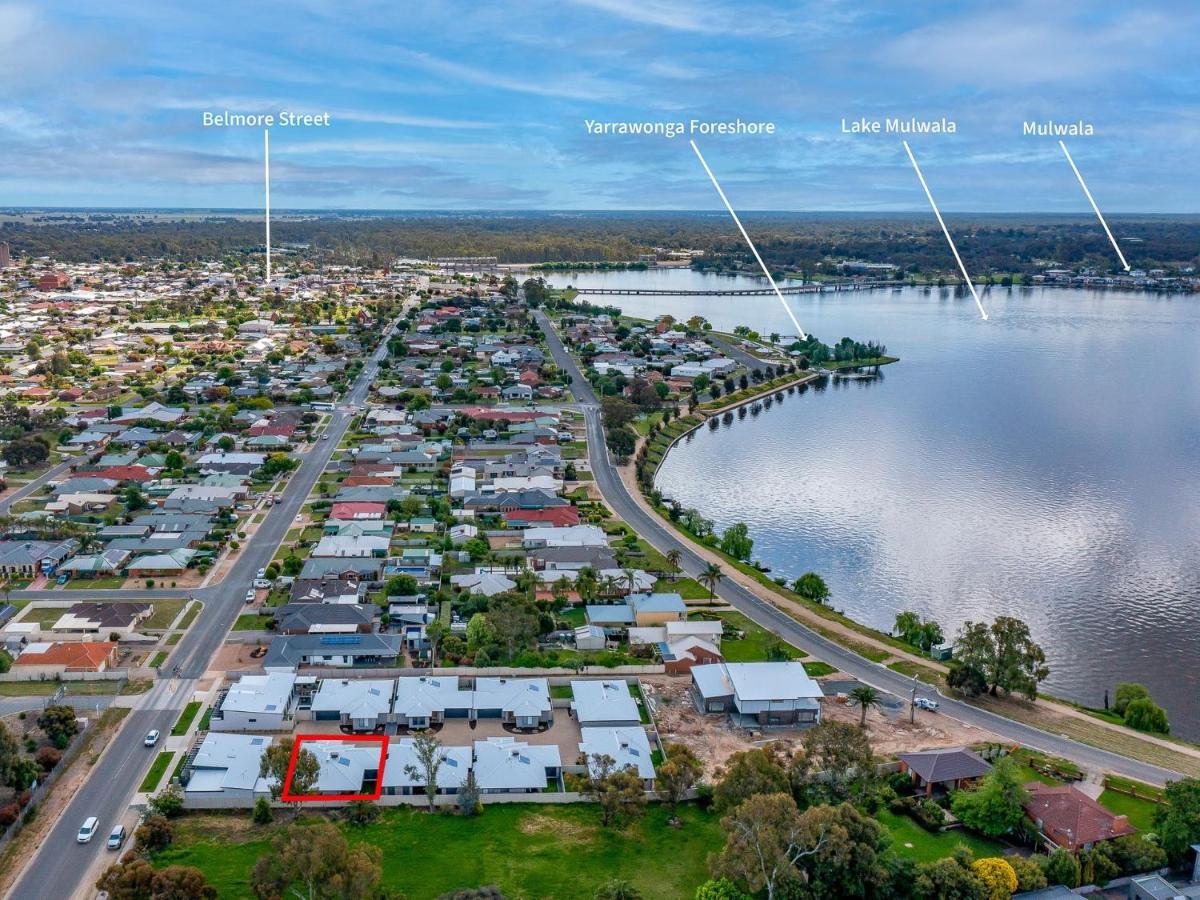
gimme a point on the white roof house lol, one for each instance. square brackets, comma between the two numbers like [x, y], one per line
[351, 547]
[361, 701]
[525, 701]
[769, 693]
[228, 763]
[489, 584]
[452, 773]
[343, 765]
[604, 703]
[256, 703]
[420, 701]
[627, 747]
[568, 536]
[505, 765]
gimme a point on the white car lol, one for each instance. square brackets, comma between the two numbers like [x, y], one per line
[324, 437]
[926, 703]
[251, 596]
[87, 830]
[151, 738]
[262, 573]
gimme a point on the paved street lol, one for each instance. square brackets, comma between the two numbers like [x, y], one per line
[664, 539]
[33, 486]
[60, 862]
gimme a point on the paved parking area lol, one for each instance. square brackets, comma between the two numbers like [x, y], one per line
[564, 732]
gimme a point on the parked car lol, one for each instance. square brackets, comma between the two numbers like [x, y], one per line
[87, 830]
[262, 573]
[116, 838]
[250, 595]
[926, 703]
[62, 579]
[263, 583]
[151, 737]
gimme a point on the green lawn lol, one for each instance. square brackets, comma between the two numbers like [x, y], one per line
[45, 616]
[687, 588]
[928, 846]
[185, 719]
[190, 616]
[1140, 812]
[252, 622]
[158, 659]
[561, 692]
[525, 849]
[164, 613]
[154, 776]
[753, 647]
[573, 615]
[112, 582]
[816, 669]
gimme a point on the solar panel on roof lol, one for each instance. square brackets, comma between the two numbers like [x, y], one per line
[341, 639]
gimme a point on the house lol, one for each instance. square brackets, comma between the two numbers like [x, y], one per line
[334, 650]
[680, 654]
[758, 694]
[324, 618]
[404, 775]
[48, 660]
[569, 536]
[949, 769]
[429, 700]
[1068, 818]
[360, 705]
[504, 765]
[256, 703]
[115, 617]
[96, 565]
[161, 565]
[521, 702]
[227, 764]
[326, 590]
[642, 610]
[32, 558]
[344, 767]
[346, 547]
[604, 703]
[627, 747]
[489, 584]
[344, 569]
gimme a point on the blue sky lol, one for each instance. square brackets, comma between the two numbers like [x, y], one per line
[481, 105]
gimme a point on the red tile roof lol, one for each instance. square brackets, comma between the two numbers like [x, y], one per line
[555, 515]
[81, 656]
[1070, 818]
[357, 510]
[125, 473]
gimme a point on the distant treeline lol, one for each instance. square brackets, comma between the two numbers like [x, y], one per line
[806, 243]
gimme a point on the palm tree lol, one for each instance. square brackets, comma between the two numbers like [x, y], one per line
[710, 578]
[865, 697]
[630, 580]
[675, 558]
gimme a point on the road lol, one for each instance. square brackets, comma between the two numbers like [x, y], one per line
[24, 491]
[653, 529]
[60, 862]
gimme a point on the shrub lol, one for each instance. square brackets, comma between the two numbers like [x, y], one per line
[1060, 867]
[1146, 715]
[262, 811]
[48, 757]
[929, 815]
[153, 835]
[9, 813]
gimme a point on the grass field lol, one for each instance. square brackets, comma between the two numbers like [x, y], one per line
[158, 659]
[164, 613]
[910, 839]
[524, 849]
[190, 616]
[753, 647]
[112, 582]
[252, 622]
[1140, 812]
[159, 766]
[687, 588]
[185, 719]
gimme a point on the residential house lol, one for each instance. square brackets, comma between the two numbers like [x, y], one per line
[41, 660]
[948, 769]
[628, 747]
[359, 705]
[604, 703]
[504, 765]
[404, 775]
[115, 617]
[333, 650]
[324, 618]
[1068, 818]
[256, 703]
[227, 764]
[758, 694]
[521, 702]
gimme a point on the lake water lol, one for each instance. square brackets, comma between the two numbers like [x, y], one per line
[1043, 464]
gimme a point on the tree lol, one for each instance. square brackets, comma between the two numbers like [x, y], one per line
[765, 837]
[837, 764]
[314, 862]
[812, 586]
[678, 774]
[137, 879]
[998, 878]
[746, 774]
[997, 806]
[58, 721]
[167, 803]
[430, 756]
[865, 698]
[262, 811]
[1003, 655]
[1177, 818]
[618, 791]
[26, 451]
[737, 541]
[853, 861]
[435, 632]
[617, 889]
[10, 753]
[274, 766]
[674, 559]
[358, 812]
[153, 835]
[1060, 867]
[720, 889]
[946, 879]
[1126, 693]
[1146, 715]
[467, 797]
[710, 578]
[514, 622]
[1030, 876]
[921, 633]
[479, 632]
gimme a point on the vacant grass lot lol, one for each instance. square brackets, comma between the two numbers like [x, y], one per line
[525, 849]
[752, 647]
[164, 613]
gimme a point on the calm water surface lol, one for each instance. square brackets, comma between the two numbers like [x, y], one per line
[1044, 464]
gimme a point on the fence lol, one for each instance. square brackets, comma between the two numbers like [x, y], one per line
[560, 675]
[108, 675]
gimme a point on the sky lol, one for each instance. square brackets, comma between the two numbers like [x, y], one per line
[468, 105]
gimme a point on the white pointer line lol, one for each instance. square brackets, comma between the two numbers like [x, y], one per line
[1112, 240]
[749, 243]
[945, 231]
[267, 197]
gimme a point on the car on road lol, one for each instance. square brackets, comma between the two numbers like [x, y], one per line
[151, 737]
[116, 838]
[926, 703]
[87, 830]
[325, 437]
[262, 573]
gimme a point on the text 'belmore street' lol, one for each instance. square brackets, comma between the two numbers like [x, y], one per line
[283, 119]
[675, 129]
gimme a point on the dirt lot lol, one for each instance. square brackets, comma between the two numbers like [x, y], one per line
[714, 740]
[235, 657]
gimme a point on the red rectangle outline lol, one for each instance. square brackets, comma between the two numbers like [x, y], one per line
[380, 739]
